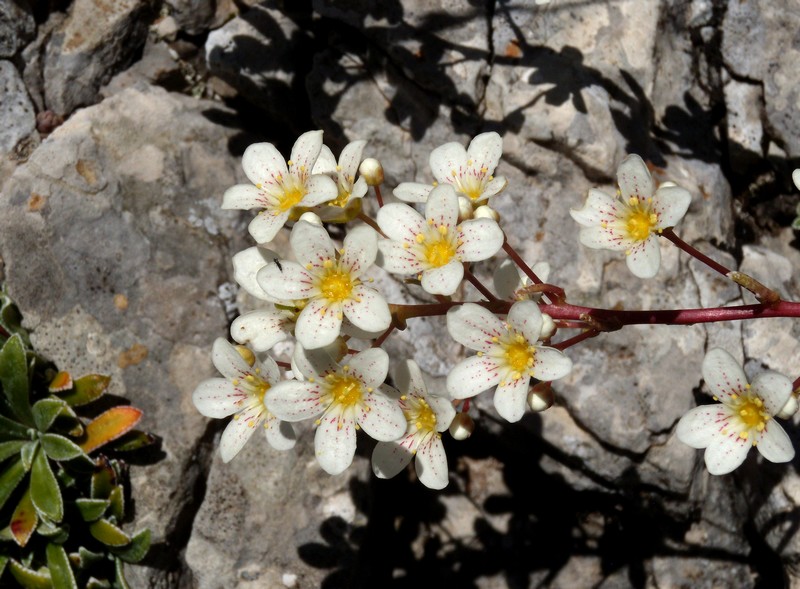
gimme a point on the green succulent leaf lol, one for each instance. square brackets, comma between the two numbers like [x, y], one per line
[14, 378]
[87, 558]
[3, 563]
[86, 389]
[103, 481]
[45, 492]
[60, 570]
[29, 578]
[796, 223]
[60, 448]
[11, 318]
[120, 582]
[9, 449]
[27, 453]
[92, 509]
[12, 430]
[140, 544]
[10, 478]
[93, 583]
[23, 520]
[109, 426]
[133, 440]
[45, 412]
[117, 499]
[109, 534]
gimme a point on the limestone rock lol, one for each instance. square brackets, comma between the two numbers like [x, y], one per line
[17, 26]
[17, 117]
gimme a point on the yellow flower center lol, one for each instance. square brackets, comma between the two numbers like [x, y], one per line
[421, 415]
[641, 220]
[258, 386]
[519, 355]
[751, 411]
[336, 284]
[290, 197]
[471, 183]
[438, 247]
[346, 390]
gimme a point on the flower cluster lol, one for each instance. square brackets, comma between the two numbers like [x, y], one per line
[323, 299]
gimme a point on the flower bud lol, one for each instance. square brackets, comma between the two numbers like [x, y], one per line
[462, 426]
[465, 210]
[486, 212]
[789, 409]
[548, 326]
[310, 217]
[540, 397]
[372, 171]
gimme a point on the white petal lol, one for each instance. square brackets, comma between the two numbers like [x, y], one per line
[796, 178]
[494, 186]
[610, 237]
[262, 163]
[238, 431]
[359, 189]
[725, 453]
[335, 446]
[280, 434]
[246, 265]
[389, 458]
[442, 206]
[326, 162]
[644, 258]
[370, 366]
[244, 197]
[511, 399]
[599, 207]
[485, 150]
[525, 317]
[318, 324]
[351, 157]
[506, 279]
[313, 363]
[723, 375]
[227, 360]
[384, 421]
[480, 239]
[701, 425]
[400, 222]
[443, 280]
[217, 397]
[774, 444]
[412, 191]
[444, 410]
[367, 309]
[408, 379]
[305, 152]
[360, 249]
[311, 244]
[474, 326]
[447, 159]
[431, 464]
[550, 364]
[773, 388]
[261, 330]
[319, 189]
[670, 203]
[634, 178]
[265, 226]
[472, 376]
[396, 259]
[286, 281]
[294, 400]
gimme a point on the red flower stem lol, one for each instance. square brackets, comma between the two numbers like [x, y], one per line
[478, 284]
[382, 338]
[378, 195]
[670, 235]
[796, 384]
[520, 262]
[589, 333]
[369, 221]
[284, 365]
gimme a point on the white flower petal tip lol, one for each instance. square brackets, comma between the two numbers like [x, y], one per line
[462, 426]
[744, 416]
[632, 221]
[310, 217]
[470, 171]
[796, 178]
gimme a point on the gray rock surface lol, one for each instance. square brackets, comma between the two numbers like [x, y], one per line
[17, 117]
[17, 26]
[113, 244]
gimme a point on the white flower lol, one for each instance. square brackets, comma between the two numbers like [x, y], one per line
[427, 416]
[329, 282]
[632, 222]
[742, 418]
[796, 178]
[510, 281]
[469, 170]
[278, 188]
[264, 328]
[343, 173]
[434, 247]
[242, 394]
[341, 399]
[508, 355]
